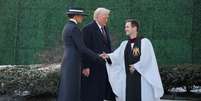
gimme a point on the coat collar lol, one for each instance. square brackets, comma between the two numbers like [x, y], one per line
[73, 20]
[99, 32]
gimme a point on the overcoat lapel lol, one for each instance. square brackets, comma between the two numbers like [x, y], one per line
[101, 35]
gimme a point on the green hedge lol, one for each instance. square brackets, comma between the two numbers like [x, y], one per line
[35, 79]
[43, 79]
[28, 27]
[185, 75]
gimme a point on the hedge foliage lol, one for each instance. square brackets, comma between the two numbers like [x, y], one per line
[36, 80]
[43, 79]
[185, 75]
[28, 27]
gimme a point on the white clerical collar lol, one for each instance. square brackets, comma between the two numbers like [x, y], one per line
[73, 20]
[132, 44]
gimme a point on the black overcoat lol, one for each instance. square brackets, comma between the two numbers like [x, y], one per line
[74, 47]
[96, 87]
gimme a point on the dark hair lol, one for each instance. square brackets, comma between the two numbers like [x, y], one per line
[134, 23]
[71, 15]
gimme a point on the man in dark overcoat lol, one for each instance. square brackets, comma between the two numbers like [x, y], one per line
[95, 84]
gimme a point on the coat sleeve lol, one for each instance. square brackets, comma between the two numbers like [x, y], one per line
[114, 56]
[88, 42]
[148, 68]
[78, 39]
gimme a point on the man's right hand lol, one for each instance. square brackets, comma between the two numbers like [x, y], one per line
[86, 72]
[104, 56]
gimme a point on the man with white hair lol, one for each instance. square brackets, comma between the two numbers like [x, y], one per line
[95, 84]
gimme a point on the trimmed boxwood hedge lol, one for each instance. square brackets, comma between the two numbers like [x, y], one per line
[37, 79]
[182, 75]
[43, 79]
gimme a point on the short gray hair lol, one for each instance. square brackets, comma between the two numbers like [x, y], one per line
[99, 11]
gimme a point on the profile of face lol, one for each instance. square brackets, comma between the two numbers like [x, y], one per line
[79, 18]
[102, 19]
[129, 29]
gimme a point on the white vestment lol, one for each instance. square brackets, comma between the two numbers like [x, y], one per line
[151, 85]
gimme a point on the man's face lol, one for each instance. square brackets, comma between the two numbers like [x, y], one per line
[102, 19]
[129, 29]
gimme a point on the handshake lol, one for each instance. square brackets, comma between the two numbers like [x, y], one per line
[104, 56]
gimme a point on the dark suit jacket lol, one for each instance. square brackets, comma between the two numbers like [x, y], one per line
[74, 47]
[96, 86]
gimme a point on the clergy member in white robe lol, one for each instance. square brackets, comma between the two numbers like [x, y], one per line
[133, 72]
